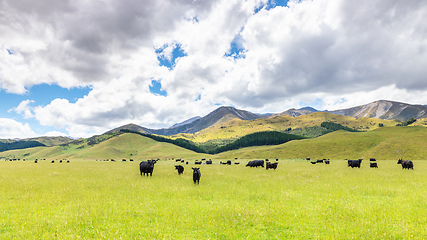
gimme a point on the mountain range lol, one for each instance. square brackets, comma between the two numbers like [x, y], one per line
[382, 109]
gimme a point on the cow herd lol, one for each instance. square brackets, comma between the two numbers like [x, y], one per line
[406, 164]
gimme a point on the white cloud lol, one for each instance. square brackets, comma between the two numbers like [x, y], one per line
[24, 108]
[328, 50]
[11, 129]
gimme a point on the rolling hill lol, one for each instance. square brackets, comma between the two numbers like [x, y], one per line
[117, 146]
[387, 143]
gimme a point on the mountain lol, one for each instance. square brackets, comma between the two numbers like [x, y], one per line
[131, 127]
[218, 116]
[186, 122]
[295, 112]
[385, 110]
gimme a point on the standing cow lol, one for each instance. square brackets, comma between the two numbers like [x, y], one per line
[196, 175]
[179, 168]
[408, 164]
[354, 163]
[373, 165]
[271, 165]
[147, 167]
[255, 163]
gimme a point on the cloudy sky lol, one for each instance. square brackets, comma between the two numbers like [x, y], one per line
[78, 68]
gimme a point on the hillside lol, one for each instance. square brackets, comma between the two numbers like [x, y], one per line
[385, 110]
[387, 143]
[117, 147]
[303, 125]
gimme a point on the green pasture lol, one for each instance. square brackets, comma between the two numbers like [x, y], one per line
[88, 199]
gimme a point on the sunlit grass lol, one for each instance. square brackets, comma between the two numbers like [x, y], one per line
[110, 200]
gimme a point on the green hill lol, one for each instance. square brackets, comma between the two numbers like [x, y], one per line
[383, 143]
[126, 145]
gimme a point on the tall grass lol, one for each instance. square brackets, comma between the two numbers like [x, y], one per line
[110, 200]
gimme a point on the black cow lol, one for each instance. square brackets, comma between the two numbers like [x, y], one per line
[52, 161]
[198, 162]
[209, 162]
[354, 163]
[313, 162]
[229, 162]
[35, 161]
[196, 175]
[271, 165]
[147, 167]
[255, 163]
[373, 165]
[179, 168]
[408, 164]
[372, 159]
[327, 161]
[319, 161]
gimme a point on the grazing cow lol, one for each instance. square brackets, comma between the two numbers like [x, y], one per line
[406, 164]
[236, 163]
[271, 165]
[178, 160]
[255, 163]
[209, 162]
[229, 162]
[313, 162]
[123, 160]
[196, 175]
[198, 162]
[308, 159]
[147, 167]
[372, 159]
[354, 163]
[373, 165]
[131, 160]
[319, 161]
[327, 161]
[179, 168]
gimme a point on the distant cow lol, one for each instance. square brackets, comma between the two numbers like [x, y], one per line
[406, 164]
[271, 165]
[179, 168]
[354, 163]
[319, 161]
[255, 163]
[198, 162]
[196, 175]
[52, 161]
[372, 159]
[147, 167]
[327, 161]
[35, 161]
[313, 162]
[229, 162]
[209, 162]
[373, 165]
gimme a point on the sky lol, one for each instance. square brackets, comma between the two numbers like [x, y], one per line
[79, 68]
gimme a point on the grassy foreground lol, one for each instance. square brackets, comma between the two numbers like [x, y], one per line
[110, 200]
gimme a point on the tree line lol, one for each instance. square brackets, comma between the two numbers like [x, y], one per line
[19, 145]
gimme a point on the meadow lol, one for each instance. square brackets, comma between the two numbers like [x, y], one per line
[88, 199]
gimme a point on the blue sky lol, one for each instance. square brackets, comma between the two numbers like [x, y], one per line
[81, 68]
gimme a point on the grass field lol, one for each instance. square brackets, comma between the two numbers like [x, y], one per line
[110, 200]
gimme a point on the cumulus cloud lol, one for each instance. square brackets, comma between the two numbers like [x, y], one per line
[239, 53]
[12, 129]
